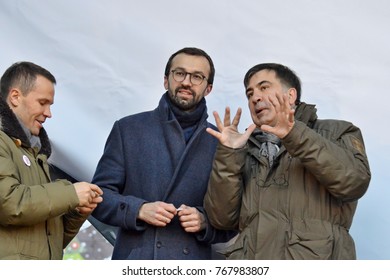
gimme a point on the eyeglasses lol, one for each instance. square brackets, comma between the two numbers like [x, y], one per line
[180, 75]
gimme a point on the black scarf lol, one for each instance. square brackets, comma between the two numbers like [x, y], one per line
[188, 120]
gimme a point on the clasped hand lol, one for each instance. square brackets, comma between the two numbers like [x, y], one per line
[89, 195]
[160, 214]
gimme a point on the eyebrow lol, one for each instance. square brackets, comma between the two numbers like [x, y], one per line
[258, 85]
[46, 100]
[195, 72]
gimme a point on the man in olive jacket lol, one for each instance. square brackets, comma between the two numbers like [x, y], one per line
[291, 182]
[38, 218]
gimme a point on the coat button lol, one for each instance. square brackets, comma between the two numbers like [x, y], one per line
[158, 244]
[186, 251]
[122, 206]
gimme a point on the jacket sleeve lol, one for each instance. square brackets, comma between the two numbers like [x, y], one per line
[211, 235]
[28, 203]
[337, 160]
[222, 201]
[116, 209]
[19, 202]
[72, 224]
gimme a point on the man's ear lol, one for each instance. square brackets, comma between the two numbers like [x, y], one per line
[14, 97]
[166, 82]
[208, 89]
[292, 95]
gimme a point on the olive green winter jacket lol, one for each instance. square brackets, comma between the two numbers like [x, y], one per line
[37, 217]
[300, 208]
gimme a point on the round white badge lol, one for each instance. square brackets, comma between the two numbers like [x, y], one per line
[26, 160]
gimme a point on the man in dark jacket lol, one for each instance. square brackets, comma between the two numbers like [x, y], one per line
[38, 217]
[155, 169]
[290, 183]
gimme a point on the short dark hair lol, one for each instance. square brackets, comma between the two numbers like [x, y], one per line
[286, 76]
[196, 52]
[23, 75]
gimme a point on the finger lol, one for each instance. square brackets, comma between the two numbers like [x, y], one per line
[291, 116]
[286, 101]
[191, 226]
[226, 120]
[92, 194]
[96, 189]
[286, 108]
[249, 130]
[186, 224]
[275, 101]
[163, 206]
[171, 210]
[214, 133]
[84, 210]
[187, 210]
[267, 128]
[184, 217]
[237, 117]
[164, 219]
[179, 211]
[181, 207]
[218, 121]
[191, 229]
[188, 213]
[97, 199]
[166, 214]
[158, 223]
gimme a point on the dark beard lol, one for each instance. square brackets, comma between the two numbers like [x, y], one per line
[182, 104]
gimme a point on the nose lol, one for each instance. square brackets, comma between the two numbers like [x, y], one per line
[256, 97]
[47, 112]
[187, 79]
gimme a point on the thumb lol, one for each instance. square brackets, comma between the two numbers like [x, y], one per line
[249, 130]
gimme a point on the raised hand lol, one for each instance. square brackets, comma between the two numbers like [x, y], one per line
[284, 116]
[228, 134]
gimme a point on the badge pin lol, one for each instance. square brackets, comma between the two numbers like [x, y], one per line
[26, 160]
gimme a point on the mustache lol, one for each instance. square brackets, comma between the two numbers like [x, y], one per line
[184, 88]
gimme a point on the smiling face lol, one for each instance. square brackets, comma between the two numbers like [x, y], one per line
[33, 108]
[185, 94]
[261, 86]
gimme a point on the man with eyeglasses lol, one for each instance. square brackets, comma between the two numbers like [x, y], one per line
[155, 169]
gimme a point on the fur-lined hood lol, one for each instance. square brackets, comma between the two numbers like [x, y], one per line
[10, 125]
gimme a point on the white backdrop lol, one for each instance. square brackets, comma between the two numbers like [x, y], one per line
[109, 59]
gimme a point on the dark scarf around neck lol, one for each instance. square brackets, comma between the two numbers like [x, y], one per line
[187, 119]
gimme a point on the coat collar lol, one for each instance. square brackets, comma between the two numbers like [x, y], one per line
[10, 125]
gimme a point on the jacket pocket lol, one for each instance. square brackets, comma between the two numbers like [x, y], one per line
[309, 246]
[238, 250]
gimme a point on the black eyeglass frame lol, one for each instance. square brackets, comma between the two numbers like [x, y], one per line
[191, 77]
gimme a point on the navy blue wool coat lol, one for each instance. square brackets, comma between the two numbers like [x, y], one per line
[147, 159]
